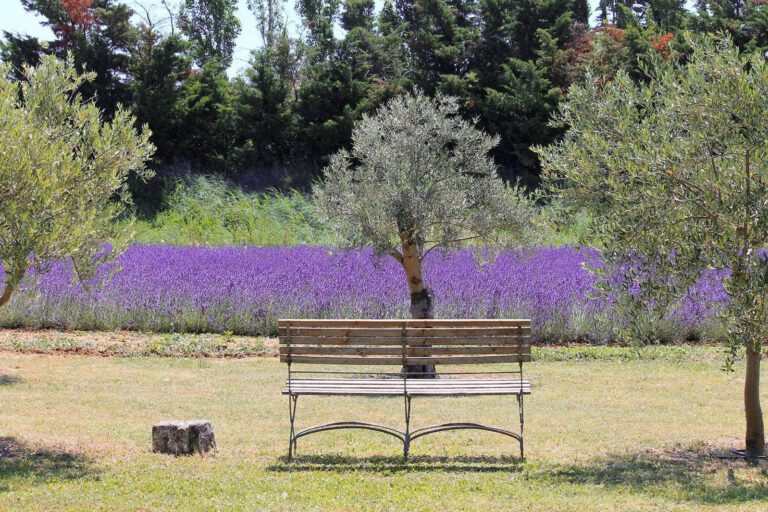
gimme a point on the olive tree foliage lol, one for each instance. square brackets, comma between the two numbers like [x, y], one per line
[419, 177]
[675, 174]
[62, 174]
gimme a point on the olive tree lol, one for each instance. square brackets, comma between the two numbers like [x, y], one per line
[675, 172]
[419, 177]
[62, 174]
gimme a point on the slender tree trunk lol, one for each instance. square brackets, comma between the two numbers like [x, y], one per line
[10, 287]
[755, 437]
[7, 292]
[421, 299]
[11, 281]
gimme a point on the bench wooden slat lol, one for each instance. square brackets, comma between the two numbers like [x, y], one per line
[448, 387]
[398, 351]
[410, 387]
[340, 322]
[297, 387]
[416, 332]
[401, 391]
[422, 394]
[399, 381]
[411, 341]
[383, 342]
[408, 360]
[401, 388]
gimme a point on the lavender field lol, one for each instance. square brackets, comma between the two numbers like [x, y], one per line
[245, 291]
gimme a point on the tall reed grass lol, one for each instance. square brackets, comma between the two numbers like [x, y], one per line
[209, 211]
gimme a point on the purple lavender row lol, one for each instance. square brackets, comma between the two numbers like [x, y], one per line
[245, 290]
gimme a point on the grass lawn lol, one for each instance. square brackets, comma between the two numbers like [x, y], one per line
[605, 431]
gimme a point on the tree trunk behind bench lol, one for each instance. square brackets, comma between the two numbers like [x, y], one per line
[421, 309]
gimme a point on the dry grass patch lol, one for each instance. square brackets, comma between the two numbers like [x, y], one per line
[134, 343]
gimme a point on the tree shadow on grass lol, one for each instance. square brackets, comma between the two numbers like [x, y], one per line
[39, 466]
[397, 464]
[699, 474]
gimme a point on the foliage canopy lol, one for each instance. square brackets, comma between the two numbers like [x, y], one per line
[509, 63]
[675, 172]
[420, 172]
[212, 26]
[62, 173]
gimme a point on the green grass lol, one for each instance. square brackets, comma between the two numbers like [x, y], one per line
[562, 228]
[210, 211]
[621, 432]
[132, 344]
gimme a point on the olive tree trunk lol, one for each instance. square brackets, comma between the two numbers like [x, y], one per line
[10, 287]
[421, 301]
[6, 296]
[755, 437]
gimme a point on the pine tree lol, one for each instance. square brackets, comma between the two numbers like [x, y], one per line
[159, 65]
[439, 36]
[668, 15]
[267, 124]
[581, 11]
[319, 18]
[521, 76]
[206, 111]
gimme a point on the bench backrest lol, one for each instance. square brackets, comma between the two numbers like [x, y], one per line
[404, 342]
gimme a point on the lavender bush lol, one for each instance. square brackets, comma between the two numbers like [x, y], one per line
[245, 290]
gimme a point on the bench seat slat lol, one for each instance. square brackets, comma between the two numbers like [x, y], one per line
[442, 383]
[448, 387]
[417, 393]
[399, 389]
[400, 382]
[409, 383]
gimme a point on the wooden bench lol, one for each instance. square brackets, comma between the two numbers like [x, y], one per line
[401, 343]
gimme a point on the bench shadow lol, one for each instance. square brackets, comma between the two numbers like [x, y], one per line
[698, 474]
[395, 464]
[8, 380]
[19, 460]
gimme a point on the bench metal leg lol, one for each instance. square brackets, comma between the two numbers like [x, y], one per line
[407, 437]
[292, 399]
[294, 435]
[521, 411]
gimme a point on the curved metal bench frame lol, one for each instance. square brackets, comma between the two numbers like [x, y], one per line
[407, 436]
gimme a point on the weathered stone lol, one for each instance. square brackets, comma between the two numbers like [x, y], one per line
[183, 437]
